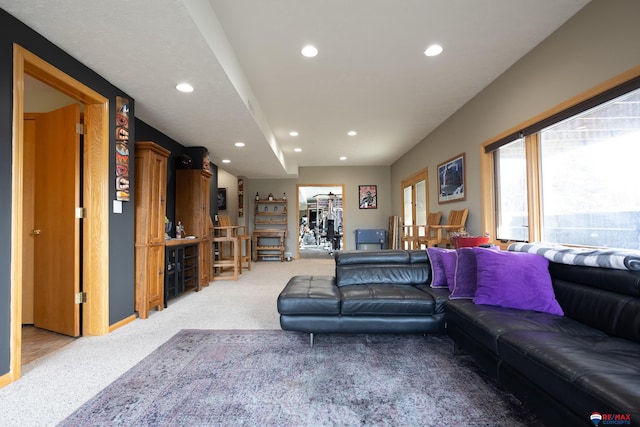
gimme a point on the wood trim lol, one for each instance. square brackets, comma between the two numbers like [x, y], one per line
[416, 177]
[6, 379]
[487, 186]
[17, 191]
[122, 323]
[534, 186]
[95, 319]
[96, 184]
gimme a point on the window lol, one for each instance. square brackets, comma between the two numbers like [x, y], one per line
[571, 179]
[590, 176]
[511, 192]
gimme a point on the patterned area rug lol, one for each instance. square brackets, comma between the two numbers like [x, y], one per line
[274, 378]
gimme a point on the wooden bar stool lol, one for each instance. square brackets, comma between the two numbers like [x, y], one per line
[244, 241]
[225, 235]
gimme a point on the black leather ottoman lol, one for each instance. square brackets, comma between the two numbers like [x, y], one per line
[310, 295]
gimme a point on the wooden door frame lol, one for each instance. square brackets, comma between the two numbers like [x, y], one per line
[95, 245]
[298, 212]
[422, 175]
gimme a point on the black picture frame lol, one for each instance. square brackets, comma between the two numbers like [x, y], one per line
[222, 199]
[368, 196]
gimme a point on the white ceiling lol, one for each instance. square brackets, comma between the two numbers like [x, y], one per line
[252, 84]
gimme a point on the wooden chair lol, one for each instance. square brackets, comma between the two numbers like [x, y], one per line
[408, 236]
[441, 234]
[413, 235]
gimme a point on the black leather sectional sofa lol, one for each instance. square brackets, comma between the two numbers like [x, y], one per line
[564, 368]
[371, 292]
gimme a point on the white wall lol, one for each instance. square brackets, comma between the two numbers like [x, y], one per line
[598, 43]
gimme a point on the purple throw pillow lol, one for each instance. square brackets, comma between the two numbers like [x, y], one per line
[465, 279]
[466, 273]
[449, 261]
[439, 267]
[516, 280]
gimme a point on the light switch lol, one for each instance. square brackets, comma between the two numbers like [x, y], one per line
[117, 206]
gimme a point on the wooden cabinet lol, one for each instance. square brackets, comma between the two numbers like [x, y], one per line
[270, 229]
[150, 199]
[182, 267]
[192, 209]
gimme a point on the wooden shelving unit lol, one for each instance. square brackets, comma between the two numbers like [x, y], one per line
[270, 229]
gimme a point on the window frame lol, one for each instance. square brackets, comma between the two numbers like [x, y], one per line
[530, 129]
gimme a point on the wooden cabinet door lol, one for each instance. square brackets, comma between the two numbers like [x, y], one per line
[156, 277]
[157, 182]
[204, 205]
[57, 230]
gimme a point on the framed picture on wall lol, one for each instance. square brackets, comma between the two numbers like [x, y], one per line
[451, 180]
[222, 199]
[368, 196]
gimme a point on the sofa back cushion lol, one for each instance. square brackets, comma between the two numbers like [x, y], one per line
[382, 267]
[603, 298]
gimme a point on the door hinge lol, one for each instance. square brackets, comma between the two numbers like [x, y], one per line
[81, 213]
[79, 128]
[81, 297]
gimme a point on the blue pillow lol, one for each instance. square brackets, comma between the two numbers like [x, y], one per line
[515, 280]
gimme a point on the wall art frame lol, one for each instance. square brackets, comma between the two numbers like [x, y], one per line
[222, 199]
[451, 180]
[368, 196]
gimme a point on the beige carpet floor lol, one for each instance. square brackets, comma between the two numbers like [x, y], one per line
[53, 386]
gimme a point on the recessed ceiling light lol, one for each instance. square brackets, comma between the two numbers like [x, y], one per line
[239, 144]
[433, 50]
[294, 133]
[352, 133]
[184, 87]
[297, 149]
[226, 161]
[343, 158]
[309, 51]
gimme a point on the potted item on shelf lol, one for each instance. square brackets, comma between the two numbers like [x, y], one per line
[257, 197]
[270, 197]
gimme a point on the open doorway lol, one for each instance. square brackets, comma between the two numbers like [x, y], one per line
[320, 219]
[94, 264]
[51, 250]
